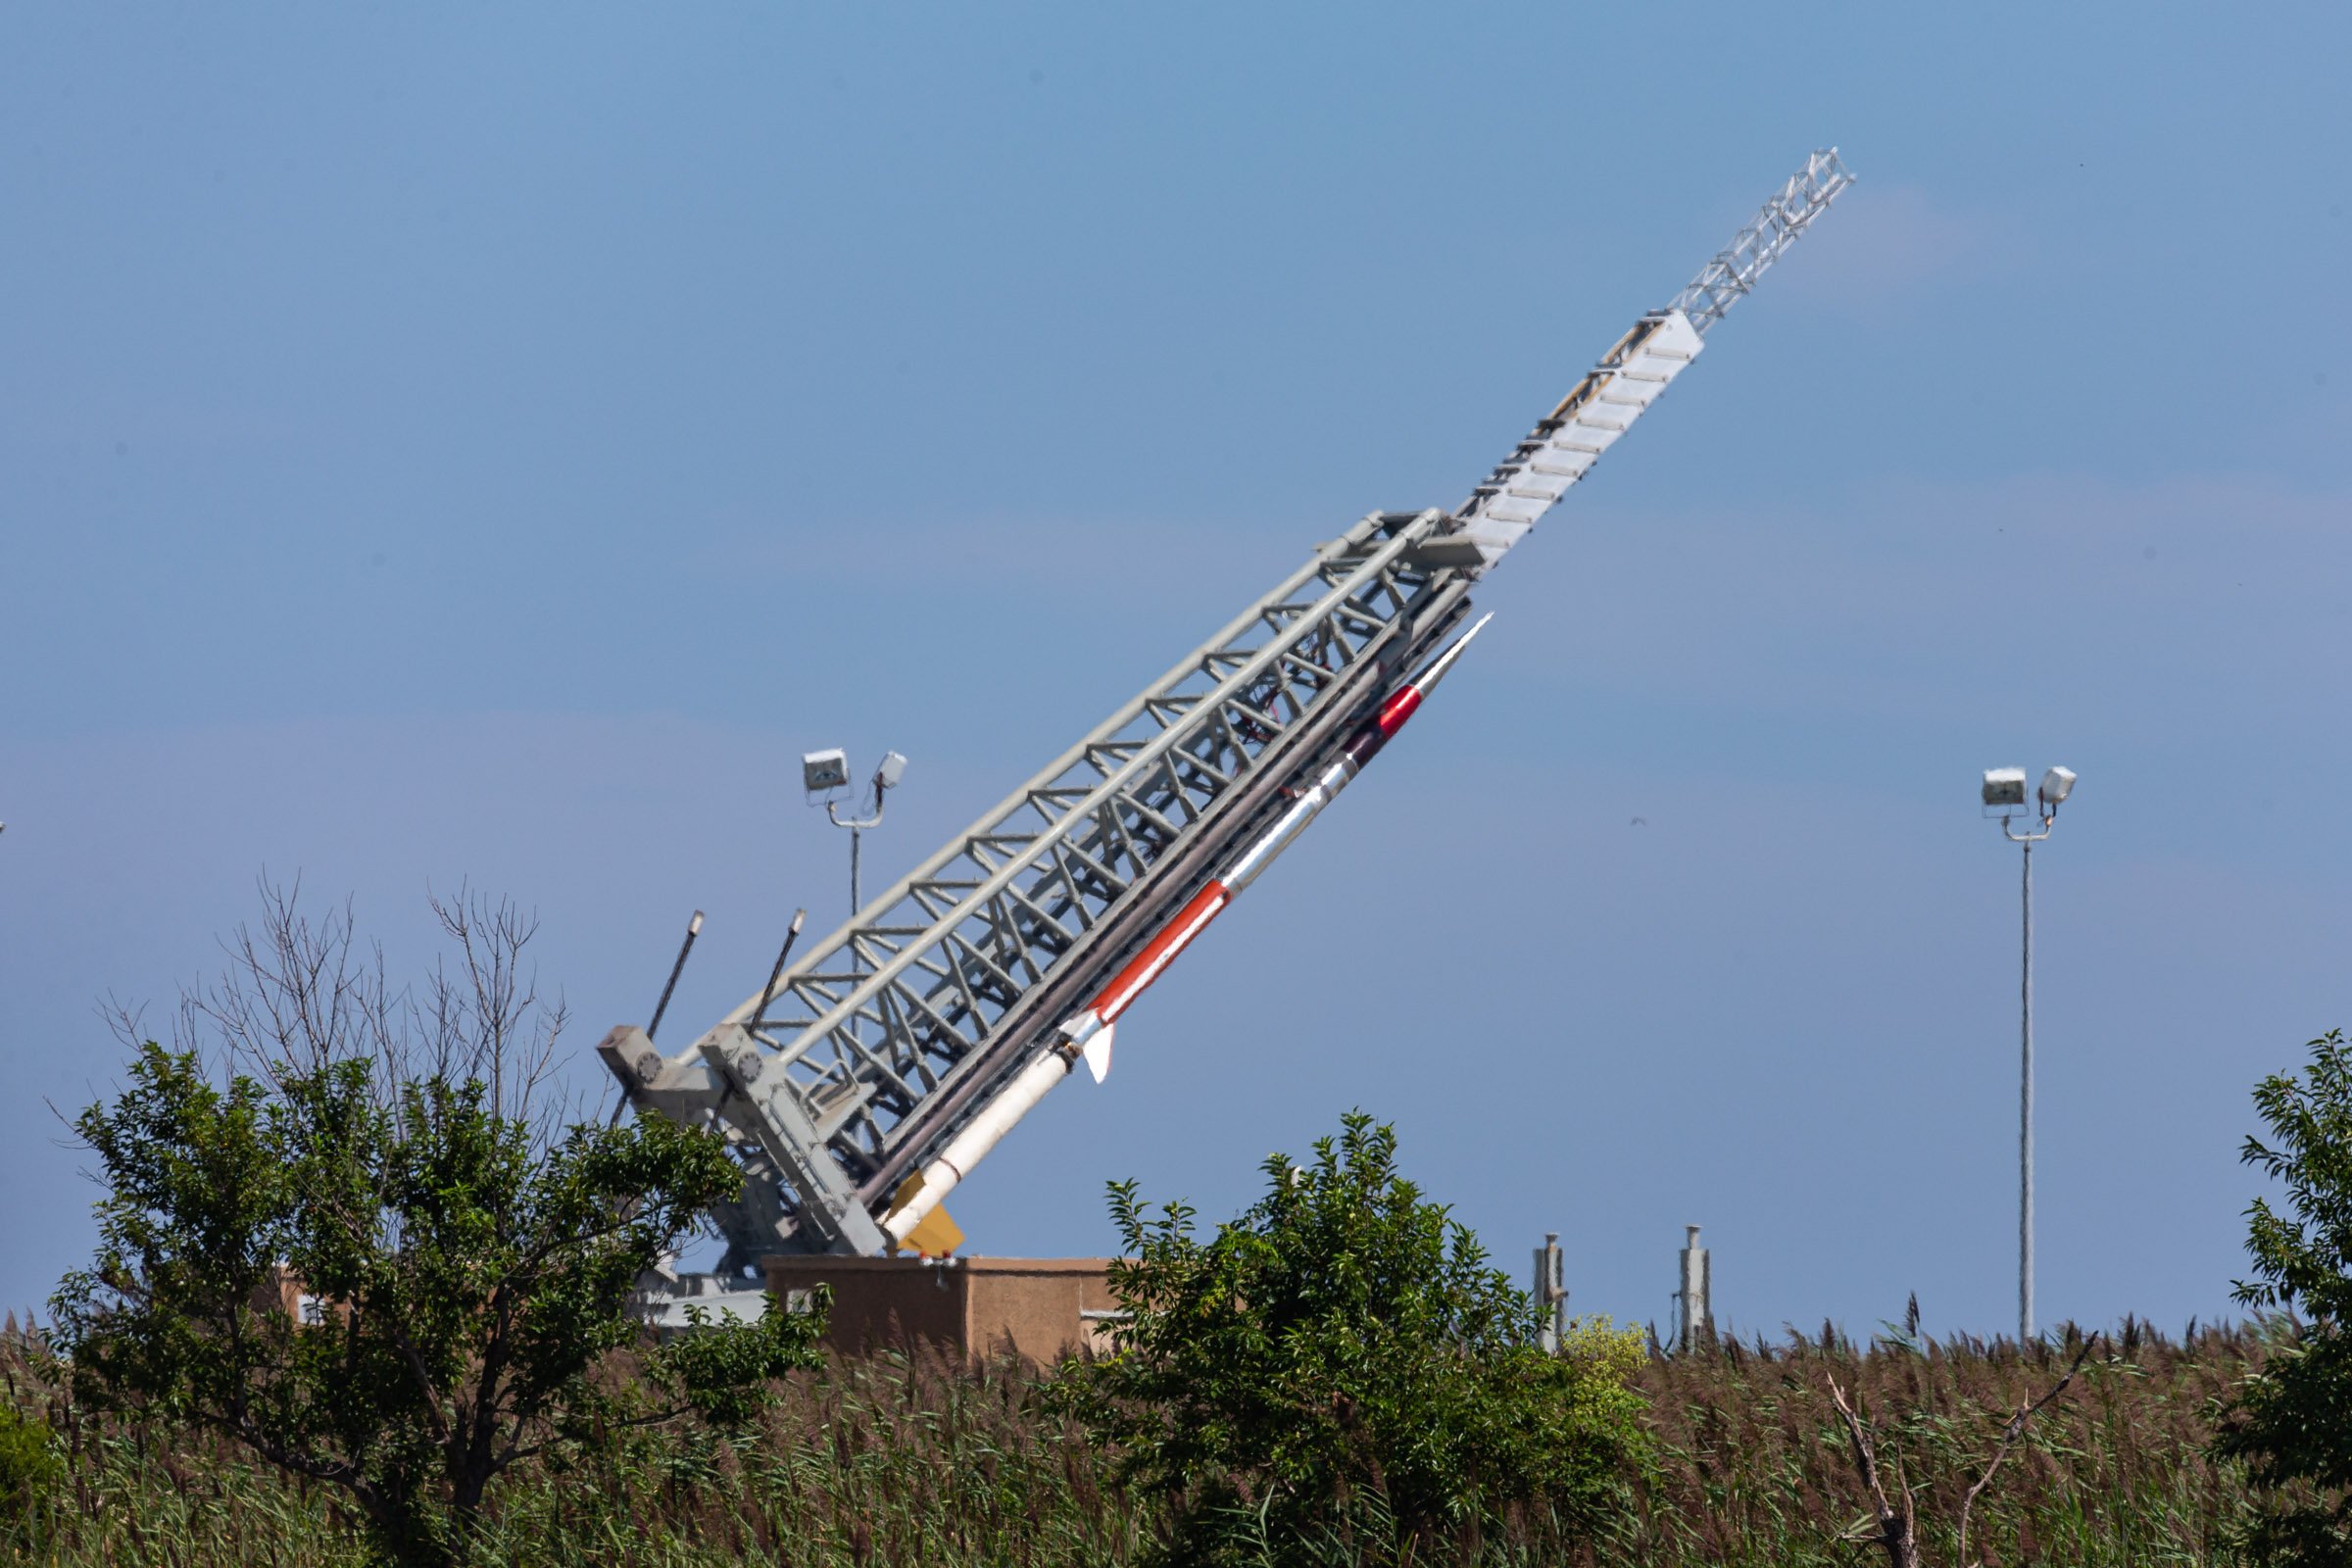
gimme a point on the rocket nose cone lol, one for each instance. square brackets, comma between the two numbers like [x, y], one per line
[1436, 672]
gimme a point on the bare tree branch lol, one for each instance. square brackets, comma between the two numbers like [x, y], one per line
[1896, 1529]
[2012, 1431]
[1898, 1534]
[299, 992]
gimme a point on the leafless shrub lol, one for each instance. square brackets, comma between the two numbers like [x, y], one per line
[299, 991]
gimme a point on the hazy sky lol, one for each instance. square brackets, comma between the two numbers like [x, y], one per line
[496, 445]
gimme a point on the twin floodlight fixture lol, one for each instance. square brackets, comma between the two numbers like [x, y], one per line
[823, 772]
[2005, 790]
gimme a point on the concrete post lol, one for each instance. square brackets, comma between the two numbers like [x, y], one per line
[1551, 1291]
[1695, 1301]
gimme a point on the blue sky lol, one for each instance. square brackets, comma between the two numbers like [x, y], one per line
[439, 447]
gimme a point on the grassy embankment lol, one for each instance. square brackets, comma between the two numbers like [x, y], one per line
[903, 1460]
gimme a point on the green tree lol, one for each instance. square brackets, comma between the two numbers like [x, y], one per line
[464, 1253]
[1341, 1361]
[2292, 1421]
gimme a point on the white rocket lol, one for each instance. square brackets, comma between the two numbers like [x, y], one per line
[1087, 1033]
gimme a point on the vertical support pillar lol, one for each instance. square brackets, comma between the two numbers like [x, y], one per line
[1695, 1301]
[1551, 1293]
[2024, 1114]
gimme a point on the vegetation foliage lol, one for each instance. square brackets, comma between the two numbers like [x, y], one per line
[898, 1458]
[31, 1467]
[1342, 1356]
[1754, 1470]
[1336, 1377]
[464, 1265]
[2292, 1424]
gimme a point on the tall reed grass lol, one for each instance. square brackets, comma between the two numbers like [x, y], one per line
[910, 1458]
[1753, 1466]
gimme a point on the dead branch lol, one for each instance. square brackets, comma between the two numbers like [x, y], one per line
[300, 992]
[1897, 1533]
[490, 1016]
[2013, 1429]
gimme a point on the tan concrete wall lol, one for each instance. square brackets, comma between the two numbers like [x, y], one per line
[971, 1306]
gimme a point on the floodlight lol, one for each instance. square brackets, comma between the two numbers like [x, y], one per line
[2004, 794]
[894, 768]
[825, 771]
[2004, 786]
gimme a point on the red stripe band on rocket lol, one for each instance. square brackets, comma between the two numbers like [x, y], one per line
[1087, 1033]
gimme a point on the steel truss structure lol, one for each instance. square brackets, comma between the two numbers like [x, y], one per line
[1735, 269]
[883, 1040]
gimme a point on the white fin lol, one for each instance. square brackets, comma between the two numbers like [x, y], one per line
[1096, 1052]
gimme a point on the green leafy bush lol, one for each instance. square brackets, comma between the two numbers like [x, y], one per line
[1339, 1366]
[30, 1469]
[2292, 1421]
[372, 1263]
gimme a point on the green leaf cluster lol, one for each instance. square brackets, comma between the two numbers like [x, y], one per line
[1341, 1361]
[30, 1468]
[462, 1285]
[2292, 1421]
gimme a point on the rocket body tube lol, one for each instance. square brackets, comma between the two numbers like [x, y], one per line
[979, 1135]
[1087, 1033]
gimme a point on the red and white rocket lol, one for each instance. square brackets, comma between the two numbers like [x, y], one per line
[1087, 1033]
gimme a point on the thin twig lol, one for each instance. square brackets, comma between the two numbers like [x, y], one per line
[2012, 1431]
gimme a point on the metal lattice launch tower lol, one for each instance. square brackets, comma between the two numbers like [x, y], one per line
[902, 1030]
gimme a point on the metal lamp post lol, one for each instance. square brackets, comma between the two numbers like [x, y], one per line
[2005, 795]
[825, 772]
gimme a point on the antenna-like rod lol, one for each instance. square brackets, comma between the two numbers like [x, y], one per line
[694, 928]
[791, 935]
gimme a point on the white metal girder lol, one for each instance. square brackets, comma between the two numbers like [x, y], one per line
[1566, 443]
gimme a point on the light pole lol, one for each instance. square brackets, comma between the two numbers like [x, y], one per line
[823, 773]
[2005, 795]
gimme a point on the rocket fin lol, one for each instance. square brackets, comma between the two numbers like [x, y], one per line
[937, 1236]
[1096, 1052]
[912, 1185]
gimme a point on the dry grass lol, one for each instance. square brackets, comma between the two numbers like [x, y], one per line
[906, 1459]
[887, 1460]
[1753, 1466]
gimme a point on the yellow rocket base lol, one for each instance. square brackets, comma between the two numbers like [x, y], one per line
[935, 1235]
